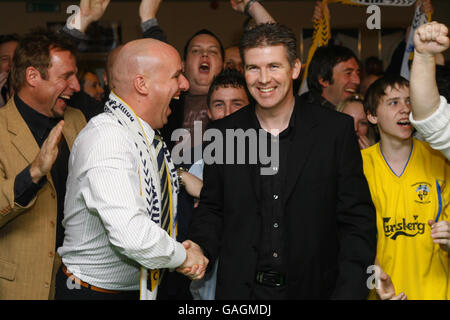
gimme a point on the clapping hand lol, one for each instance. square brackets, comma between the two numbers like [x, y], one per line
[47, 155]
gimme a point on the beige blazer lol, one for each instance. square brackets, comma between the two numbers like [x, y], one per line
[28, 261]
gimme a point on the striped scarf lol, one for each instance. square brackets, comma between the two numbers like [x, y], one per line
[150, 182]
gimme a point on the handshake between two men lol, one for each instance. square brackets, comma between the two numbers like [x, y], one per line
[195, 264]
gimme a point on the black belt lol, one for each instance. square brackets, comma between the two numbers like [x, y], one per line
[270, 278]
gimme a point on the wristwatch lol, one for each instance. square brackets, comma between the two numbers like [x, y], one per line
[180, 170]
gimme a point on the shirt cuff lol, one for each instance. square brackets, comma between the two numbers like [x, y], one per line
[147, 24]
[24, 188]
[179, 256]
[75, 34]
[436, 121]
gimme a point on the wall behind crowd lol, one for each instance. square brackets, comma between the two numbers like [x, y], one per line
[181, 18]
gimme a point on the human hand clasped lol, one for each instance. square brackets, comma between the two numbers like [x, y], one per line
[194, 266]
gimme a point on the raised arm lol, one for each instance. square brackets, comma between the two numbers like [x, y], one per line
[90, 11]
[148, 9]
[429, 40]
[149, 24]
[254, 9]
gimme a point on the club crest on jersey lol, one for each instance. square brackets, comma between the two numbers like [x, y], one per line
[422, 190]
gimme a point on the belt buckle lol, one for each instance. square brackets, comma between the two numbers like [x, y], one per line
[270, 278]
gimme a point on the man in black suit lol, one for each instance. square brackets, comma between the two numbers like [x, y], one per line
[307, 229]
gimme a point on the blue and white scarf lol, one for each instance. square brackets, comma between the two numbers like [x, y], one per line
[149, 180]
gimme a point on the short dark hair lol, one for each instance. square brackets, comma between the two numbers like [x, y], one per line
[4, 38]
[225, 79]
[203, 31]
[270, 34]
[322, 64]
[443, 81]
[377, 91]
[34, 50]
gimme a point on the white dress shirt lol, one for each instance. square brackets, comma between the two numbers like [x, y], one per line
[436, 128]
[108, 233]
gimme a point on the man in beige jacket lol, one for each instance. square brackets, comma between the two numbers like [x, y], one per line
[37, 130]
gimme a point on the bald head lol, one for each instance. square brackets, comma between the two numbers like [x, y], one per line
[147, 75]
[139, 57]
[109, 63]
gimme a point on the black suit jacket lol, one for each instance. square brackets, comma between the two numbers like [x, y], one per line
[329, 217]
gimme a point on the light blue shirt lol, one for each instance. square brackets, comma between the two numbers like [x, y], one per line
[204, 289]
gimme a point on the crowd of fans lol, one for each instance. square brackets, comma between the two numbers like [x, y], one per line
[401, 127]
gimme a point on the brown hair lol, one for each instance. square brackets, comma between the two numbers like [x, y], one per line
[377, 91]
[270, 34]
[34, 51]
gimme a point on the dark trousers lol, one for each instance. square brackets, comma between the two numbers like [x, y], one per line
[262, 292]
[64, 291]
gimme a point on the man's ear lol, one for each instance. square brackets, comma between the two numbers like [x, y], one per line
[372, 119]
[32, 76]
[323, 83]
[297, 69]
[140, 84]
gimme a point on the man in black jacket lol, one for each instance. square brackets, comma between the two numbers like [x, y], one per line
[301, 226]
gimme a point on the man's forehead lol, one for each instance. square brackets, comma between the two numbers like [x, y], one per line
[347, 64]
[64, 60]
[396, 91]
[229, 90]
[273, 52]
[204, 40]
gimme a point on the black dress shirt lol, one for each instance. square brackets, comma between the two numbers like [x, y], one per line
[24, 188]
[272, 252]
[315, 98]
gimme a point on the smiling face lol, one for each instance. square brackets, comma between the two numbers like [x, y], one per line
[166, 83]
[203, 62]
[344, 84]
[392, 114]
[51, 94]
[269, 76]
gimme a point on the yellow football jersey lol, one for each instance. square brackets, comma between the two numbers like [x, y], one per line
[404, 205]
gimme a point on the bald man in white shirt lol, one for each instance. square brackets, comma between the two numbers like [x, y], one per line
[120, 222]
